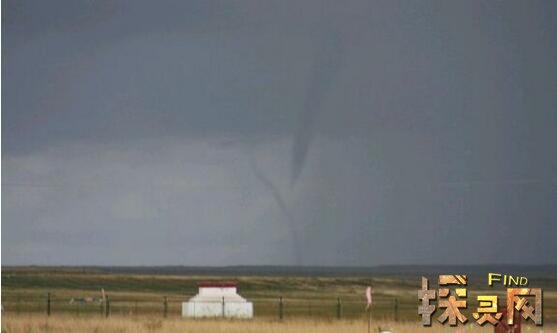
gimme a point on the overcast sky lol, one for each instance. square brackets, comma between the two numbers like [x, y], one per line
[287, 132]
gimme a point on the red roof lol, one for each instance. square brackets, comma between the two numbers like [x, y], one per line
[217, 284]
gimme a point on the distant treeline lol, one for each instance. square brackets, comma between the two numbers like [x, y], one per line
[532, 271]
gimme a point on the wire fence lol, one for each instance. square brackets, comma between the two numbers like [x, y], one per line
[167, 306]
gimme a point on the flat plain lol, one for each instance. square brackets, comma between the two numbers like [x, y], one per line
[150, 300]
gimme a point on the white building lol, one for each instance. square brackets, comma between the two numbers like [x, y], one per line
[217, 300]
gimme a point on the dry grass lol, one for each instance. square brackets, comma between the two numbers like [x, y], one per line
[29, 323]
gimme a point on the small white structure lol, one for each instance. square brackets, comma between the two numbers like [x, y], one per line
[217, 300]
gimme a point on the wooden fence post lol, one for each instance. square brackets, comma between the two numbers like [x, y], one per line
[281, 314]
[107, 309]
[396, 309]
[223, 307]
[339, 308]
[165, 305]
[48, 304]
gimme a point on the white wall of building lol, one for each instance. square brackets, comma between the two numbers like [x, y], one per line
[238, 310]
[215, 309]
[217, 302]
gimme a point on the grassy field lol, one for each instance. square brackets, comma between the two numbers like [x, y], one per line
[64, 323]
[26, 290]
[137, 301]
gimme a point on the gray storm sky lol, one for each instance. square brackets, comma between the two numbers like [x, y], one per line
[252, 132]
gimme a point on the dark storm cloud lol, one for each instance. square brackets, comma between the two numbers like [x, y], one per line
[413, 132]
